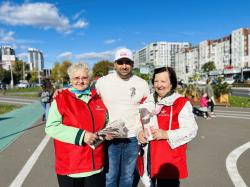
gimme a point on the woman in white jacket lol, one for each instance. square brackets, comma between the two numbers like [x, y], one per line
[172, 125]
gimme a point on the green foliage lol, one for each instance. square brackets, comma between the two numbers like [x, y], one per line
[209, 66]
[195, 77]
[136, 71]
[34, 76]
[5, 76]
[221, 88]
[236, 101]
[59, 72]
[102, 68]
[18, 71]
[191, 91]
[31, 89]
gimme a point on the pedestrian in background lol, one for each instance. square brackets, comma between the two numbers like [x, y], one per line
[75, 117]
[122, 92]
[166, 162]
[204, 104]
[210, 95]
[46, 96]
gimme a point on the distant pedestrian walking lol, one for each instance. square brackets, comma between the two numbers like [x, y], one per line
[45, 96]
[210, 95]
[204, 105]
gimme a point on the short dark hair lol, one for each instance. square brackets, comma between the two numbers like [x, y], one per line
[172, 75]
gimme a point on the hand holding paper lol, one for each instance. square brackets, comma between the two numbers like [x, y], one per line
[115, 129]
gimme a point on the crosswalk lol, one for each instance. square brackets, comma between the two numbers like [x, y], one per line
[233, 113]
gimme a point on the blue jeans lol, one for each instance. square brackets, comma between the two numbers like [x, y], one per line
[122, 156]
[46, 110]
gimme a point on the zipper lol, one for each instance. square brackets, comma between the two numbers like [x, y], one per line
[93, 130]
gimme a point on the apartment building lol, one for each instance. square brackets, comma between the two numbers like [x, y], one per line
[221, 52]
[218, 51]
[35, 59]
[240, 48]
[159, 53]
[7, 57]
[187, 62]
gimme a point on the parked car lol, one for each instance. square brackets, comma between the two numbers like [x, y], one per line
[201, 82]
[22, 85]
[229, 80]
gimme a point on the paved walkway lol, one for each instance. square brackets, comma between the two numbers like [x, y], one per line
[14, 123]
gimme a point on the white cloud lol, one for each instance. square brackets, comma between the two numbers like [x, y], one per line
[24, 47]
[6, 36]
[40, 15]
[22, 56]
[96, 55]
[110, 41]
[65, 55]
[77, 15]
[80, 24]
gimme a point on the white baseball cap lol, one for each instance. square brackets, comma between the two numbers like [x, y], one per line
[123, 53]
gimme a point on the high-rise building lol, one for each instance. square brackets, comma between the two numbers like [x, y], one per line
[217, 51]
[187, 63]
[7, 57]
[240, 48]
[159, 53]
[35, 59]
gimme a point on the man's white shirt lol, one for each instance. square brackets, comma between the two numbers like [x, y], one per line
[122, 99]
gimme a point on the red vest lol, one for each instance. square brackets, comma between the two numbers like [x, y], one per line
[167, 163]
[89, 116]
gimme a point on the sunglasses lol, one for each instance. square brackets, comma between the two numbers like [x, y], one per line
[127, 62]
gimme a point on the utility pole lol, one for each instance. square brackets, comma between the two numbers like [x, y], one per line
[11, 75]
[23, 71]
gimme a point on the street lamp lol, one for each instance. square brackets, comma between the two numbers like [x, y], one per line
[11, 75]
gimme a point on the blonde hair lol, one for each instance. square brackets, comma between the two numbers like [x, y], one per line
[76, 67]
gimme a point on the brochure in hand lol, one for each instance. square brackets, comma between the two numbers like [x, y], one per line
[116, 129]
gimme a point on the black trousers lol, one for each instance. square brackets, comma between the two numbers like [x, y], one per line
[96, 180]
[166, 182]
[211, 104]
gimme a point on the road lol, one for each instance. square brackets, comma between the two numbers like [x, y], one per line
[207, 153]
[16, 100]
[245, 92]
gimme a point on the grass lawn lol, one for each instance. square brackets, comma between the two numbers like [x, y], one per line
[237, 101]
[23, 92]
[4, 108]
[33, 89]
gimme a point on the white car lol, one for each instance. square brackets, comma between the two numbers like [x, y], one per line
[201, 82]
[229, 80]
[22, 85]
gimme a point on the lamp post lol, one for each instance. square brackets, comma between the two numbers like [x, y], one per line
[11, 75]
[23, 71]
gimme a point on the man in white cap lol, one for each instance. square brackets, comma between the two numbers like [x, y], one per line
[122, 92]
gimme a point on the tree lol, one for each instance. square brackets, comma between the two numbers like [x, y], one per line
[221, 88]
[102, 68]
[34, 76]
[5, 76]
[64, 68]
[209, 66]
[18, 71]
[136, 71]
[59, 72]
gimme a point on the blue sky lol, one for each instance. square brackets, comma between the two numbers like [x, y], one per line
[91, 30]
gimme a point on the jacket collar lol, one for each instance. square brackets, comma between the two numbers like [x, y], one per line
[167, 101]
